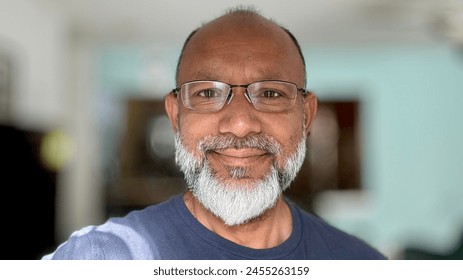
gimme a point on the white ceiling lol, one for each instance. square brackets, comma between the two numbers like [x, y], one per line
[312, 21]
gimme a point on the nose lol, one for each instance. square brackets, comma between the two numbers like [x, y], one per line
[239, 117]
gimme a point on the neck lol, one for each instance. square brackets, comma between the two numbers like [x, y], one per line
[266, 231]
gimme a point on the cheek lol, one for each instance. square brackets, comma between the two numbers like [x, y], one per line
[290, 146]
[289, 134]
[193, 128]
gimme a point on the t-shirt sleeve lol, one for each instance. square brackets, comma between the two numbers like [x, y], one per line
[92, 245]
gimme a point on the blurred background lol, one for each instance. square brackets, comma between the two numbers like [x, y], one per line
[84, 135]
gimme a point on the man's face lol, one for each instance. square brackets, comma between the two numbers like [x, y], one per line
[241, 149]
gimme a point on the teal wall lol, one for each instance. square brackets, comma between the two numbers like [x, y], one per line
[412, 109]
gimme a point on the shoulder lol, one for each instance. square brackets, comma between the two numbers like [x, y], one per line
[331, 242]
[92, 243]
[128, 237]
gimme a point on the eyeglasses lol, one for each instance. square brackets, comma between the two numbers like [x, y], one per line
[266, 96]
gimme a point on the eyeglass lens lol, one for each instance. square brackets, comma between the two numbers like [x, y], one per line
[207, 96]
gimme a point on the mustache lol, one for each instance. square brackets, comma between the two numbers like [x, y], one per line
[258, 141]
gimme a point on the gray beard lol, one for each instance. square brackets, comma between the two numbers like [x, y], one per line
[236, 201]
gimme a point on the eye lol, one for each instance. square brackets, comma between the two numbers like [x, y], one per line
[271, 93]
[209, 93]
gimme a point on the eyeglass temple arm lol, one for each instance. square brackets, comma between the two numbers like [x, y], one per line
[175, 91]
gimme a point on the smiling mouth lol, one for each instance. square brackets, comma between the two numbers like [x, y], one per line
[241, 153]
[239, 157]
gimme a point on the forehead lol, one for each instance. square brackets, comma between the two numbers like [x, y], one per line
[235, 47]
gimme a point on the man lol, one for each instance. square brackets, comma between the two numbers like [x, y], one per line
[241, 116]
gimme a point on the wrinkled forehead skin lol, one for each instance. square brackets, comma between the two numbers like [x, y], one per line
[249, 46]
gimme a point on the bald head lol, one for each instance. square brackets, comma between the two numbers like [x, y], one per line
[236, 24]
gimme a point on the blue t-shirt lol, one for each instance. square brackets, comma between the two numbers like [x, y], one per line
[169, 231]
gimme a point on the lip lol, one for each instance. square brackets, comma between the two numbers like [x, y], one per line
[241, 153]
[239, 156]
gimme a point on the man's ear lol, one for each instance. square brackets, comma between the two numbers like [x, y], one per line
[310, 110]
[171, 105]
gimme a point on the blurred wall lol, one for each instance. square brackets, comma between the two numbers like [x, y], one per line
[52, 90]
[35, 39]
[411, 111]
